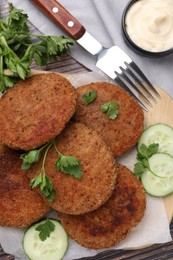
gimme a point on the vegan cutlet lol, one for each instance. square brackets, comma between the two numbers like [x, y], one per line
[35, 110]
[20, 206]
[77, 196]
[120, 134]
[112, 222]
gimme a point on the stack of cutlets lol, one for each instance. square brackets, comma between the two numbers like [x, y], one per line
[98, 210]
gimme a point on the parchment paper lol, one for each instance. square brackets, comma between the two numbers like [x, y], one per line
[154, 227]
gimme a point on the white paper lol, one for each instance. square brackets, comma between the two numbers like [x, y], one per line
[154, 228]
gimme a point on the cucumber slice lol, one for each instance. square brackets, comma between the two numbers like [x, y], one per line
[161, 134]
[157, 186]
[53, 248]
[161, 164]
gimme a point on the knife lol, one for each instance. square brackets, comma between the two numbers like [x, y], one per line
[112, 61]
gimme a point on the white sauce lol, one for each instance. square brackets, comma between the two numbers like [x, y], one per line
[149, 24]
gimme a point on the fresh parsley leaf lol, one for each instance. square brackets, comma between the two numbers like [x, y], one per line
[139, 169]
[89, 97]
[47, 189]
[146, 152]
[49, 193]
[69, 165]
[142, 156]
[45, 229]
[111, 109]
[47, 49]
[9, 81]
[29, 158]
[45, 184]
[37, 181]
[146, 163]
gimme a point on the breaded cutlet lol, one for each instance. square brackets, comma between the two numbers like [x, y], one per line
[20, 206]
[112, 222]
[35, 110]
[120, 134]
[77, 196]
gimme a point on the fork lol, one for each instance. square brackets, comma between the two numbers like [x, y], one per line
[132, 77]
[128, 75]
[112, 61]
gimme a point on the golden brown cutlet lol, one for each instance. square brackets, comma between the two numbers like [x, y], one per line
[120, 134]
[19, 205]
[77, 196]
[36, 110]
[112, 222]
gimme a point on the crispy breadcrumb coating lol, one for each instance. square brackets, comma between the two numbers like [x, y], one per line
[112, 222]
[20, 206]
[77, 196]
[35, 110]
[120, 134]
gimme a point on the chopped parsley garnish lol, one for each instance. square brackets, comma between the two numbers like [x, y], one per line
[111, 109]
[89, 97]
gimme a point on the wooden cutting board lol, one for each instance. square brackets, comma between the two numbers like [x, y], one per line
[162, 112]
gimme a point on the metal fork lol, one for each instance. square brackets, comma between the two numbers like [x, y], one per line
[112, 61]
[128, 75]
[133, 72]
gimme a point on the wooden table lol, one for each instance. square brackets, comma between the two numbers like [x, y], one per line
[66, 64]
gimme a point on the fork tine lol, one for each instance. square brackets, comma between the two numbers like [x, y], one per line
[128, 80]
[131, 73]
[143, 77]
[124, 86]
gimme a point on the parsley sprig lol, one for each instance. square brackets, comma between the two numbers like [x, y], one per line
[142, 156]
[111, 109]
[42, 180]
[45, 228]
[66, 164]
[19, 48]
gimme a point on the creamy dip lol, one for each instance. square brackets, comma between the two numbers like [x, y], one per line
[149, 24]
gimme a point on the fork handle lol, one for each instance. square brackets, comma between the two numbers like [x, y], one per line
[62, 17]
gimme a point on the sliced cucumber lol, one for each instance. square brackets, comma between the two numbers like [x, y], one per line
[157, 186]
[161, 134]
[161, 164]
[53, 248]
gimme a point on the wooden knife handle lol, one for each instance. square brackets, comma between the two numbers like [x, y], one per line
[61, 17]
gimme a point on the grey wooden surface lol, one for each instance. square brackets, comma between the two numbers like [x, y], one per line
[66, 64]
